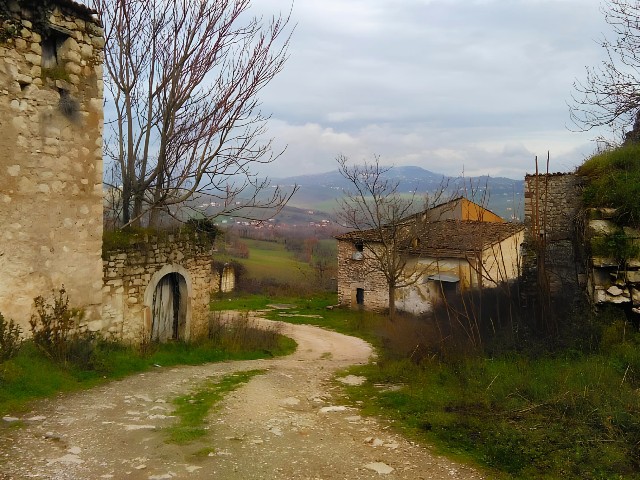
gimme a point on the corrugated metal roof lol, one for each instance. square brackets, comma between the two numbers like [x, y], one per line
[441, 277]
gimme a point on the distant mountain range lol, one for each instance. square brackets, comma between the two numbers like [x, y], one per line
[320, 191]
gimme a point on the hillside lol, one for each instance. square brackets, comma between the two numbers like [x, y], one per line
[320, 191]
[315, 200]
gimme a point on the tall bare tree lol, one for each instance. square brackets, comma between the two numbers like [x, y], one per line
[610, 94]
[374, 208]
[183, 110]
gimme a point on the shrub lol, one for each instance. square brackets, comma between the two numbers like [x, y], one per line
[203, 225]
[10, 340]
[240, 333]
[617, 245]
[55, 330]
[614, 181]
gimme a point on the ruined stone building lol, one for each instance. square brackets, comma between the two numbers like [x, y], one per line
[561, 261]
[51, 122]
[459, 245]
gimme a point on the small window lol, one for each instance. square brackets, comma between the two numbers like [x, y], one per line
[359, 246]
[360, 296]
[51, 45]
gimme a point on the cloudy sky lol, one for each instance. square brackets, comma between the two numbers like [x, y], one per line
[479, 86]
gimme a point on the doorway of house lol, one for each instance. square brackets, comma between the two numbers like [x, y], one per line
[169, 308]
[360, 296]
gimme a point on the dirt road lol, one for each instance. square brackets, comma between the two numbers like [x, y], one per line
[283, 424]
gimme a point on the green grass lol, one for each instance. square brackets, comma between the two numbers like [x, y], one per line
[30, 375]
[358, 323]
[193, 408]
[272, 260]
[570, 414]
[613, 180]
[545, 418]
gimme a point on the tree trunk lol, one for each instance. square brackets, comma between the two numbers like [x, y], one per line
[392, 303]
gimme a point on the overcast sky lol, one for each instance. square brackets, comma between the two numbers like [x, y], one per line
[447, 85]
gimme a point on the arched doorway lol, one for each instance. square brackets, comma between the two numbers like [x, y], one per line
[169, 308]
[168, 301]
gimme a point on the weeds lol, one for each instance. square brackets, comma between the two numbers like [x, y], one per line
[614, 181]
[240, 332]
[55, 328]
[10, 340]
[193, 408]
[567, 411]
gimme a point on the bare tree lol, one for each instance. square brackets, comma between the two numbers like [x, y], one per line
[385, 221]
[183, 110]
[610, 94]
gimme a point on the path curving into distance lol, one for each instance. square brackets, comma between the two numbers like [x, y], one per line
[283, 424]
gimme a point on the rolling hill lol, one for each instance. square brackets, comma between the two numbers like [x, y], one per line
[319, 192]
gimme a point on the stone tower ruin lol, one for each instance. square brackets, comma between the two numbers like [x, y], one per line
[51, 121]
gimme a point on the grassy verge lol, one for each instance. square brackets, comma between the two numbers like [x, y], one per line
[31, 375]
[310, 311]
[564, 414]
[547, 418]
[193, 408]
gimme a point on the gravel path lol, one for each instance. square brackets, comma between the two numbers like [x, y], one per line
[283, 424]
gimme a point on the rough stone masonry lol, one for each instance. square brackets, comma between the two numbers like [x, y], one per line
[51, 122]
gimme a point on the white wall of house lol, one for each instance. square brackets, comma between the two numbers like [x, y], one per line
[501, 262]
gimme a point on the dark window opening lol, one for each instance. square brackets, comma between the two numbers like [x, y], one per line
[360, 296]
[360, 246]
[449, 289]
[51, 45]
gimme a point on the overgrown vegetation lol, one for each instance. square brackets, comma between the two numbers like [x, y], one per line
[521, 402]
[55, 330]
[617, 245]
[613, 181]
[527, 405]
[130, 237]
[193, 408]
[570, 414]
[58, 358]
[10, 341]
[204, 226]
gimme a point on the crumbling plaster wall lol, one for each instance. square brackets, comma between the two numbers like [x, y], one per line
[51, 122]
[132, 273]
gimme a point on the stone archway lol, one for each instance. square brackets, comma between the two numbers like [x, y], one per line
[167, 301]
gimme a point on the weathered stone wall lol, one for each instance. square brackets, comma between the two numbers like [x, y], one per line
[500, 263]
[132, 274]
[553, 247]
[615, 272]
[50, 155]
[354, 273]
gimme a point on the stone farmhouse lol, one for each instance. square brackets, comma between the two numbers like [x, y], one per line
[458, 245]
[51, 191]
[50, 155]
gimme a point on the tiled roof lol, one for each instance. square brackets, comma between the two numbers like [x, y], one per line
[446, 238]
[79, 8]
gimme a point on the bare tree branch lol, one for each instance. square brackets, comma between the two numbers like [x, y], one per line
[610, 93]
[184, 78]
[387, 221]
